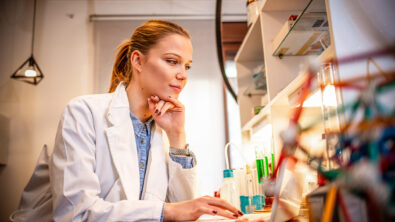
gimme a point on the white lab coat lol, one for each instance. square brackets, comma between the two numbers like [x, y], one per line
[94, 170]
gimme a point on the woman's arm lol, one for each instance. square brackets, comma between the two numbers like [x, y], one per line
[169, 114]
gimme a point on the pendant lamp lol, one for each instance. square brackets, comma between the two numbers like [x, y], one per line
[29, 71]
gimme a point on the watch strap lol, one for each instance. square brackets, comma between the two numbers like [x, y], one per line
[182, 152]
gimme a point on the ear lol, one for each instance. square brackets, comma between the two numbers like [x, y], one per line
[136, 59]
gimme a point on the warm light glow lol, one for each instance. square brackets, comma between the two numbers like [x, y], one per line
[315, 99]
[263, 135]
[30, 73]
[230, 69]
[262, 140]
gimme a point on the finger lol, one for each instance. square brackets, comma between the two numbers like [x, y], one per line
[223, 204]
[155, 99]
[159, 106]
[207, 210]
[221, 212]
[151, 105]
[166, 107]
[175, 102]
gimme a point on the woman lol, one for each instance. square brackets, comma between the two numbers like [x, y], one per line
[119, 156]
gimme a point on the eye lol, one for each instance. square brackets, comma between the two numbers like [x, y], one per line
[172, 61]
[188, 67]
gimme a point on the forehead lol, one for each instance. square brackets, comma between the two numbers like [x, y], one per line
[176, 44]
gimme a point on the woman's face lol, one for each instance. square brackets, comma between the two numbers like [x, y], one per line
[164, 68]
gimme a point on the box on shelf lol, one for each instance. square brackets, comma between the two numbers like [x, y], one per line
[308, 36]
[257, 86]
[284, 31]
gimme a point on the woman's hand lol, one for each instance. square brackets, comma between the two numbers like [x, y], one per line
[169, 114]
[193, 209]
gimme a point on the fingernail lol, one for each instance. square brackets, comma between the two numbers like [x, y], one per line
[169, 96]
[215, 212]
[235, 215]
[156, 111]
[241, 213]
[159, 113]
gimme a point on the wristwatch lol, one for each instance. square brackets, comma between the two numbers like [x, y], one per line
[182, 152]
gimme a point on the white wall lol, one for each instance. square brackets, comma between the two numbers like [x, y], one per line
[369, 27]
[65, 52]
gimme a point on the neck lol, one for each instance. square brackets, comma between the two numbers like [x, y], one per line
[138, 101]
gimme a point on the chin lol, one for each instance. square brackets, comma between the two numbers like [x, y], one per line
[167, 94]
[174, 95]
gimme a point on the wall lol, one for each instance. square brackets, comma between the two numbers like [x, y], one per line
[64, 52]
[64, 49]
[369, 28]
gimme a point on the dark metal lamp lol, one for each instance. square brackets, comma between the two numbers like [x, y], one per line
[29, 71]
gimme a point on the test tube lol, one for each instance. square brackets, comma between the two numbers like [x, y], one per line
[259, 154]
[272, 163]
[267, 166]
[272, 153]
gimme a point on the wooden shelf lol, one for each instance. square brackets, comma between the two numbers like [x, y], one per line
[251, 49]
[264, 113]
[283, 76]
[248, 58]
[288, 5]
[327, 54]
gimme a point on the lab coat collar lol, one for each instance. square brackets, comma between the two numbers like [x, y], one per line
[122, 144]
[119, 101]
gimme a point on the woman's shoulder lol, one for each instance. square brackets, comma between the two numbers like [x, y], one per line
[91, 98]
[92, 102]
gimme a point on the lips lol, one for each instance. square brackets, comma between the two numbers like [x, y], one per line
[176, 88]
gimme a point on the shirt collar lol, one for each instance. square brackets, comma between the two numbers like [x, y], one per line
[140, 128]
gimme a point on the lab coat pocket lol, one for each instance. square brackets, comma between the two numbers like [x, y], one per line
[116, 193]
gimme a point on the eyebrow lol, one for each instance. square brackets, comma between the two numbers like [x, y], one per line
[171, 53]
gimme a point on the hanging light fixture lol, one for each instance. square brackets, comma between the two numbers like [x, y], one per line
[29, 71]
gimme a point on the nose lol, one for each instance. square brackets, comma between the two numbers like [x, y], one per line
[182, 75]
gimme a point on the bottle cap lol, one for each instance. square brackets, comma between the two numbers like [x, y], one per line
[228, 173]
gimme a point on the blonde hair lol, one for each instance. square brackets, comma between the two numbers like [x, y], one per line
[143, 39]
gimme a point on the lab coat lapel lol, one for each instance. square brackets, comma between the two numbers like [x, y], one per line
[156, 181]
[122, 143]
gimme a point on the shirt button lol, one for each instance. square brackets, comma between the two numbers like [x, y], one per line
[142, 165]
[143, 141]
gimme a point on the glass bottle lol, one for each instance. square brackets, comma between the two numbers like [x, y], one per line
[229, 189]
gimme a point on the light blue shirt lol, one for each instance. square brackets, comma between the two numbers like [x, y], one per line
[142, 133]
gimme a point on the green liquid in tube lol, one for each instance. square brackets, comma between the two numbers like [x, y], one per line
[267, 166]
[260, 170]
[272, 163]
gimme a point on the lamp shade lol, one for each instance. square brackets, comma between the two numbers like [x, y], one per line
[29, 72]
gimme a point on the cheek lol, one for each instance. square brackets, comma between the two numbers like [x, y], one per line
[160, 71]
[158, 75]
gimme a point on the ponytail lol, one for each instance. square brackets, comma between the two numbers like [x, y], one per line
[121, 71]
